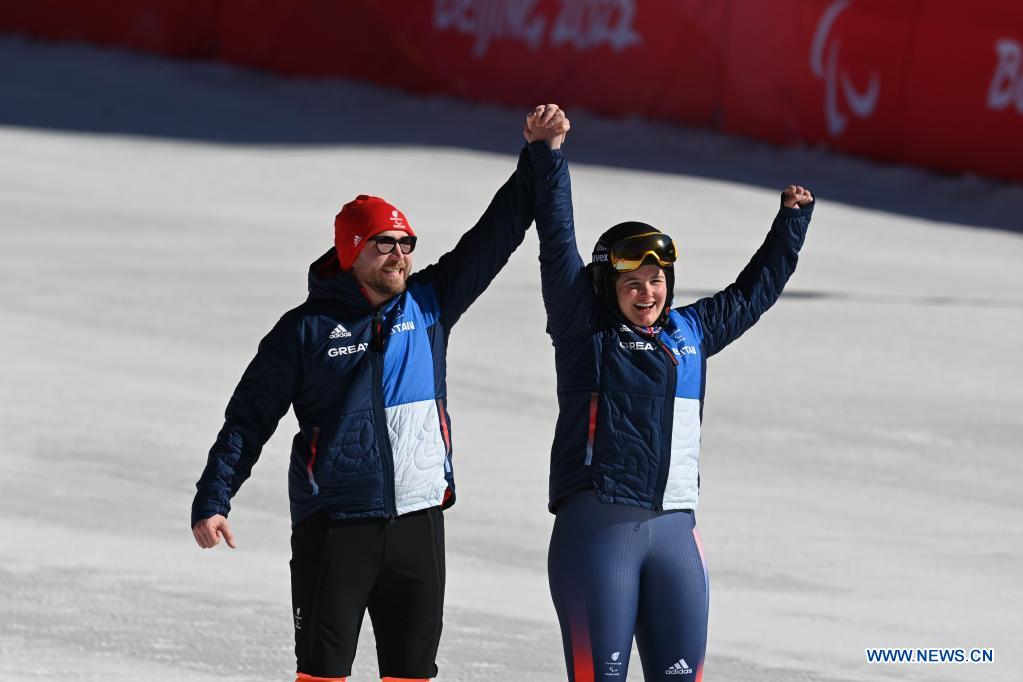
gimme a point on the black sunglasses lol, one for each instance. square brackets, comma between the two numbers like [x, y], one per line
[386, 244]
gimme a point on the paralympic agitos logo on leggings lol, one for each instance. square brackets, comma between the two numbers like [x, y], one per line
[614, 666]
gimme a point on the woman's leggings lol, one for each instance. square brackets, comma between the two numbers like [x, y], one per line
[617, 571]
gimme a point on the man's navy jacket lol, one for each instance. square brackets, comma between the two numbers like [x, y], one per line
[631, 404]
[367, 385]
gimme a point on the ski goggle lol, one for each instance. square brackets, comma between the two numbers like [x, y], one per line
[630, 253]
[386, 244]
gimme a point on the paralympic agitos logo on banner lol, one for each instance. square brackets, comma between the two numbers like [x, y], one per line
[842, 98]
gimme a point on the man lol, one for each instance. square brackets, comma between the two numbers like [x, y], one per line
[363, 363]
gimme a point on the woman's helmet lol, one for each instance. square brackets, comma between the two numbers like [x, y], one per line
[627, 247]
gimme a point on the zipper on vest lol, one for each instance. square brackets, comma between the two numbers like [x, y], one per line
[592, 429]
[667, 351]
[445, 434]
[312, 461]
[667, 422]
[376, 360]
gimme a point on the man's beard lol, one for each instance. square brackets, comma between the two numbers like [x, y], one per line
[385, 286]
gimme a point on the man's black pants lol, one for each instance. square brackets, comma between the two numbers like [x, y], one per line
[394, 568]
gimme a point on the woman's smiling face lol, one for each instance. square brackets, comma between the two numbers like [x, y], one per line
[641, 295]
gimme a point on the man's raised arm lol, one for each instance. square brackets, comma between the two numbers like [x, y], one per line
[463, 274]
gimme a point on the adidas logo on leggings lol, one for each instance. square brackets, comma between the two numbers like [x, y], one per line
[680, 668]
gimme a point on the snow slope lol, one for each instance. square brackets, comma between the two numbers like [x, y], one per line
[861, 467]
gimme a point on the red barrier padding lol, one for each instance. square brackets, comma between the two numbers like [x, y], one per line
[828, 71]
[924, 81]
[319, 38]
[611, 56]
[964, 98]
[661, 59]
[181, 28]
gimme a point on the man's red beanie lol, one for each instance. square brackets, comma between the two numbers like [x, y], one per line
[361, 219]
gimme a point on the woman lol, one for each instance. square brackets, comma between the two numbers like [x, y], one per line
[625, 556]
